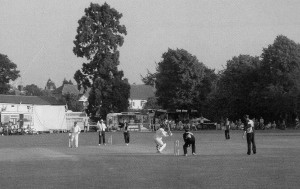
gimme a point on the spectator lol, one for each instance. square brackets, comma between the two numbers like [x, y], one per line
[201, 122]
[1, 130]
[256, 123]
[274, 125]
[85, 125]
[194, 125]
[188, 125]
[180, 125]
[227, 127]
[88, 125]
[173, 125]
[232, 125]
[297, 123]
[239, 125]
[261, 123]
[269, 125]
[283, 125]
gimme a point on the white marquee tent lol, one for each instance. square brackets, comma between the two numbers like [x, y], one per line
[49, 117]
[40, 113]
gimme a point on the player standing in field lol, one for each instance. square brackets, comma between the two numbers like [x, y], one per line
[160, 145]
[73, 136]
[126, 133]
[249, 130]
[101, 129]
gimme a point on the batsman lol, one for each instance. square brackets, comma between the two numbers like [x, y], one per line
[160, 145]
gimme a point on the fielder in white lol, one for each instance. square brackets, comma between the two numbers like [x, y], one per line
[73, 135]
[160, 145]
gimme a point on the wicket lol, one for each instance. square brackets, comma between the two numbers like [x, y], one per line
[176, 148]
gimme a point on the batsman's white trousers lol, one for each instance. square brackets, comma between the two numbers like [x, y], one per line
[159, 141]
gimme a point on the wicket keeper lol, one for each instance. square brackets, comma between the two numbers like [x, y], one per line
[189, 140]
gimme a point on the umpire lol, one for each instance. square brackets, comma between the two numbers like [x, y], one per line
[189, 139]
[126, 133]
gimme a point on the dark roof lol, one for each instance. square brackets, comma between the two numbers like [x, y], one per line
[141, 92]
[73, 89]
[37, 100]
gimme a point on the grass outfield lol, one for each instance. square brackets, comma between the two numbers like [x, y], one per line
[45, 161]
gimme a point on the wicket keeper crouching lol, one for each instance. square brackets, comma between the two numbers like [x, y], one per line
[189, 140]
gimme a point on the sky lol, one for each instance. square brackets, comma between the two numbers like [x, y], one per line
[38, 35]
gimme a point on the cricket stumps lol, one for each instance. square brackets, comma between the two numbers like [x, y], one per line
[176, 148]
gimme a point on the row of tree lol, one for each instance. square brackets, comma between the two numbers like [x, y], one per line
[261, 86]
[266, 86]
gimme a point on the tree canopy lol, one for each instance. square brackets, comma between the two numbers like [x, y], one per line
[33, 90]
[99, 35]
[8, 72]
[261, 86]
[149, 79]
[280, 76]
[234, 86]
[268, 86]
[151, 104]
[179, 80]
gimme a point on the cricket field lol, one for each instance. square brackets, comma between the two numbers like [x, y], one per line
[45, 161]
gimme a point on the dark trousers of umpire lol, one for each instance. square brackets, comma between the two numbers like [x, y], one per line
[250, 140]
[126, 137]
[101, 136]
[227, 136]
[187, 144]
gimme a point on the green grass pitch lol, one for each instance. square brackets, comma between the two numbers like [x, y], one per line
[45, 161]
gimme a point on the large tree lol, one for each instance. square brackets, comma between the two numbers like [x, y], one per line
[281, 77]
[179, 80]
[8, 72]
[231, 97]
[99, 35]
